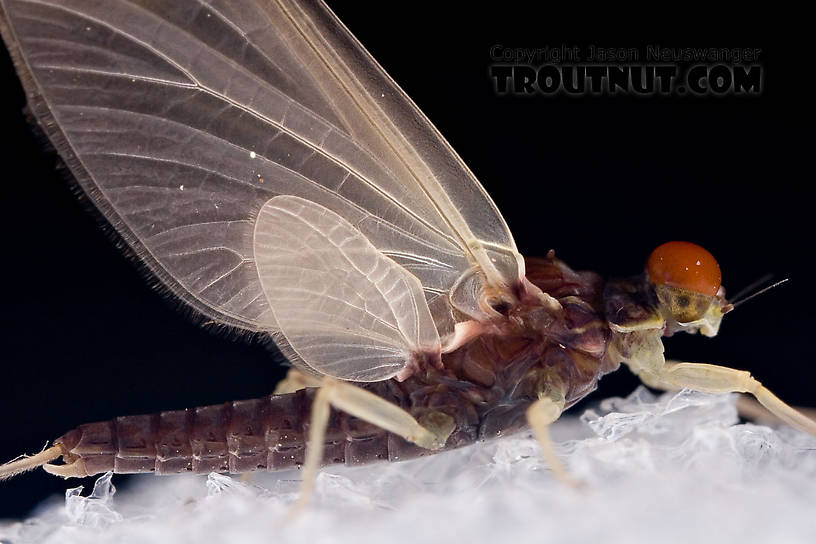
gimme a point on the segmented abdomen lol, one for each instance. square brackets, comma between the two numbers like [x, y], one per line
[242, 436]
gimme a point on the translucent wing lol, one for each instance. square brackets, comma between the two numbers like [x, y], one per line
[345, 309]
[181, 119]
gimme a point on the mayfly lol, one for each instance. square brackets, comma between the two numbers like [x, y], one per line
[274, 178]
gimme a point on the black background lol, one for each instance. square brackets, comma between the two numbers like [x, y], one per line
[603, 180]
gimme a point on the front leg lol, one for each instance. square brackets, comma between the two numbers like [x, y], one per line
[719, 379]
[747, 406]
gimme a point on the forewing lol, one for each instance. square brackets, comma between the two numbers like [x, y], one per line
[181, 119]
[345, 309]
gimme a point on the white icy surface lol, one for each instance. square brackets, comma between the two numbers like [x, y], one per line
[671, 469]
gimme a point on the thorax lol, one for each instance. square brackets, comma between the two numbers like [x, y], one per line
[491, 380]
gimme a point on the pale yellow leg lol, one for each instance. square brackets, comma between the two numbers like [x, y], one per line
[747, 407]
[719, 379]
[314, 449]
[368, 407]
[295, 380]
[540, 415]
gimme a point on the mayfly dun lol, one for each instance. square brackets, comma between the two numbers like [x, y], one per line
[273, 178]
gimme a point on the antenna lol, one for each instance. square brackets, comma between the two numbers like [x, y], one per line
[753, 285]
[749, 297]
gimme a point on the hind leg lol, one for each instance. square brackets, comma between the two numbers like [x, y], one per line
[295, 380]
[431, 434]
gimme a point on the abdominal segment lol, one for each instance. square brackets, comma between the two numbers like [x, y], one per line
[267, 433]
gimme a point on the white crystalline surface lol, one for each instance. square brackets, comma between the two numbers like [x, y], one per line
[677, 468]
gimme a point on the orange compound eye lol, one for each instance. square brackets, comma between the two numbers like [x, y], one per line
[686, 265]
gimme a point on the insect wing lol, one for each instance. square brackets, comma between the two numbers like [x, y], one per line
[345, 309]
[181, 119]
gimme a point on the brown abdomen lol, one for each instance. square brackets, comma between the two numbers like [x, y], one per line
[242, 436]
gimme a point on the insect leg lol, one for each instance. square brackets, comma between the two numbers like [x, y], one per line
[372, 409]
[295, 380]
[540, 415]
[719, 379]
[747, 407]
[314, 446]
